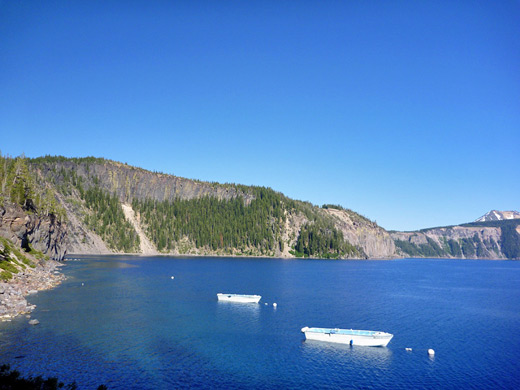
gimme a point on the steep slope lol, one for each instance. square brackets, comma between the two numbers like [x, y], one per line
[92, 205]
[127, 182]
[29, 231]
[478, 240]
[177, 215]
[30, 216]
[146, 248]
[374, 240]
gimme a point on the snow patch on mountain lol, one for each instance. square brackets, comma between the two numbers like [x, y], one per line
[495, 215]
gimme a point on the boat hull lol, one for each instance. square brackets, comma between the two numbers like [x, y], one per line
[366, 338]
[240, 298]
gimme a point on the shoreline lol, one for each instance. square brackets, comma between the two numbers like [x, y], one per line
[13, 294]
[69, 256]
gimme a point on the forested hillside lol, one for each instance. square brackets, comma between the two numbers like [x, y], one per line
[234, 227]
[188, 216]
[63, 204]
[106, 218]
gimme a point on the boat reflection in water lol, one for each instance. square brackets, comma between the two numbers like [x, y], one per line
[338, 354]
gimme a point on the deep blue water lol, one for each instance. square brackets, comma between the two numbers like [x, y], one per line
[123, 322]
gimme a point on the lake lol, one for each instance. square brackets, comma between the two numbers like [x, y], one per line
[124, 322]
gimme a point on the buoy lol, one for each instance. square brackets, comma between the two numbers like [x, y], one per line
[431, 352]
[408, 349]
[82, 284]
[275, 304]
[173, 277]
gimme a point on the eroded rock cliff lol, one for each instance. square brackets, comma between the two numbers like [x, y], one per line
[71, 176]
[43, 233]
[129, 182]
[361, 232]
[452, 242]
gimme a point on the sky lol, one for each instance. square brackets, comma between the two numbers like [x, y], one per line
[407, 112]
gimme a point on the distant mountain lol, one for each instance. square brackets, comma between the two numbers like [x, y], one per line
[495, 215]
[476, 240]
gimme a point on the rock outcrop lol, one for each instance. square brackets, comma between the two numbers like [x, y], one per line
[146, 246]
[13, 294]
[477, 242]
[129, 182]
[81, 240]
[43, 233]
[70, 177]
[361, 232]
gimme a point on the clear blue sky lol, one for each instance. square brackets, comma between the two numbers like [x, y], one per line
[407, 112]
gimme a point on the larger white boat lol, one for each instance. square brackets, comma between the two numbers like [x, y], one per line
[242, 298]
[367, 338]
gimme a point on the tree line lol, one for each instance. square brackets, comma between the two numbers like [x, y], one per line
[19, 184]
[108, 220]
[320, 240]
[250, 223]
[216, 224]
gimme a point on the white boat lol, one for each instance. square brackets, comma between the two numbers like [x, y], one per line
[242, 298]
[367, 338]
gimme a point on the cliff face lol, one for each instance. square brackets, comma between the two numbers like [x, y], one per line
[129, 182]
[68, 181]
[45, 234]
[452, 242]
[359, 231]
[124, 181]
[80, 239]
[70, 177]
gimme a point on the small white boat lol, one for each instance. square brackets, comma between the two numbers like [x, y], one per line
[367, 338]
[242, 298]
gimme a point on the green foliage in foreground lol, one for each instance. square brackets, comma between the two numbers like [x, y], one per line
[12, 380]
[319, 240]
[215, 224]
[108, 220]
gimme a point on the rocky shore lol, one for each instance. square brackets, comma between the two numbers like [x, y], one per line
[13, 293]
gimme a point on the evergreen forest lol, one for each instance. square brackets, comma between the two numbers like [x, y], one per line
[237, 227]
[20, 185]
[107, 219]
[320, 240]
[213, 224]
